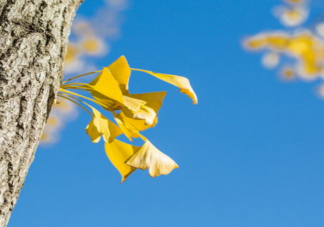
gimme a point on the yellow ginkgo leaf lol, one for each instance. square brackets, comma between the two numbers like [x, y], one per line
[132, 122]
[131, 127]
[118, 152]
[106, 86]
[127, 126]
[178, 81]
[101, 126]
[132, 103]
[121, 72]
[147, 112]
[93, 131]
[153, 100]
[149, 157]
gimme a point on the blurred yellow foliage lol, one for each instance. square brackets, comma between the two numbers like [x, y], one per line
[62, 111]
[306, 48]
[298, 51]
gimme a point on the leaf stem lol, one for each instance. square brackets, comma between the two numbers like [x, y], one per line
[70, 98]
[80, 76]
[81, 96]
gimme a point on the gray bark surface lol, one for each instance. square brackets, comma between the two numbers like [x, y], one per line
[33, 39]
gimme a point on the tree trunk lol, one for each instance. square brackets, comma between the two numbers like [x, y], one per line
[33, 39]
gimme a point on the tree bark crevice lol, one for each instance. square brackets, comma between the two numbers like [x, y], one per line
[33, 40]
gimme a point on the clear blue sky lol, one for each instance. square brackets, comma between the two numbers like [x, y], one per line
[250, 154]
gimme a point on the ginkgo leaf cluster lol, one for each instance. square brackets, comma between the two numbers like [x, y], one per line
[133, 113]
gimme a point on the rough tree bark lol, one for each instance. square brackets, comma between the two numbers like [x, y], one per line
[33, 39]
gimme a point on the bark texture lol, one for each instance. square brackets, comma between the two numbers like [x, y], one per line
[33, 39]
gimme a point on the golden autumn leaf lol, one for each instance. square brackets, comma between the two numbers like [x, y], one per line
[101, 126]
[118, 152]
[178, 81]
[149, 157]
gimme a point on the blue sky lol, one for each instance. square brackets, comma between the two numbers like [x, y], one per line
[250, 153]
